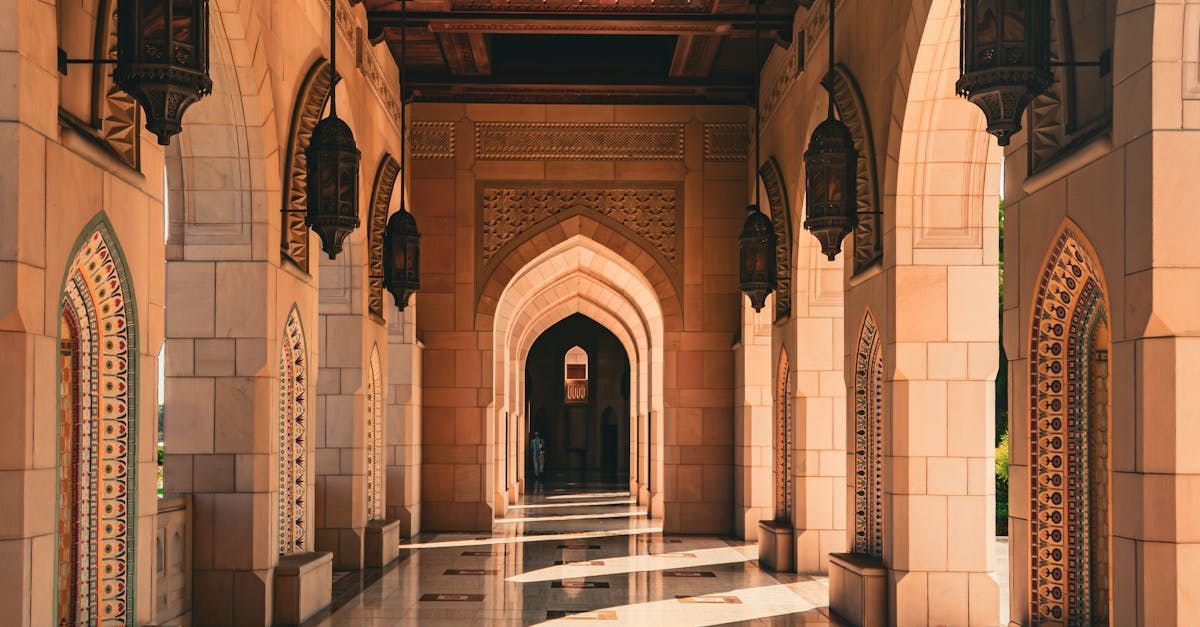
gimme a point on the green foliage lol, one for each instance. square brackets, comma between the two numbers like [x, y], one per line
[1002, 458]
[1002, 486]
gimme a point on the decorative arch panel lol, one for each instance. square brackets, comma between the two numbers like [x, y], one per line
[310, 102]
[868, 440]
[381, 200]
[781, 217]
[851, 108]
[375, 496]
[293, 419]
[783, 440]
[97, 435]
[1069, 440]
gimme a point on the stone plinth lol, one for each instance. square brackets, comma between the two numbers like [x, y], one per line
[303, 586]
[383, 543]
[858, 589]
[776, 546]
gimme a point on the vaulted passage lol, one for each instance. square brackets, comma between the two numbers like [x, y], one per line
[577, 397]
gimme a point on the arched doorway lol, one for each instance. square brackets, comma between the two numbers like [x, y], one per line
[576, 385]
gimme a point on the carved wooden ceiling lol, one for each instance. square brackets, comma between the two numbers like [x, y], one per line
[582, 51]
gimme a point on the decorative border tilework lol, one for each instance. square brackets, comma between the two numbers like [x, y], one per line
[375, 496]
[432, 140]
[726, 142]
[868, 440]
[293, 410]
[97, 466]
[1068, 478]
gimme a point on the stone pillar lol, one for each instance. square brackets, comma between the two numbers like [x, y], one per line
[819, 430]
[340, 434]
[403, 426]
[752, 423]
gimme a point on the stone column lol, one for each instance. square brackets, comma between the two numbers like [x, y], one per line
[752, 421]
[403, 410]
[340, 434]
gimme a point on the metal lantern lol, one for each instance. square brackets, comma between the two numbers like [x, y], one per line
[1005, 59]
[831, 187]
[757, 250]
[332, 183]
[162, 59]
[402, 257]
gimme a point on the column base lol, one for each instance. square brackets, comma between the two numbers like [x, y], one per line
[776, 546]
[858, 589]
[382, 545]
[303, 586]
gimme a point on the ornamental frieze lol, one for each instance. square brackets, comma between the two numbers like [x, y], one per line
[650, 213]
[432, 140]
[605, 142]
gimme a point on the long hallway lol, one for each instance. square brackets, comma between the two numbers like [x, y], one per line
[579, 553]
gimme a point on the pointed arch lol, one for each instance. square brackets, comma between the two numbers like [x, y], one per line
[868, 439]
[381, 200]
[310, 102]
[97, 434]
[847, 97]
[781, 217]
[293, 418]
[783, 439]
[1069, 422]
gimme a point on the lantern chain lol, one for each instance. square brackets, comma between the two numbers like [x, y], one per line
[403, 99]
[832, 46]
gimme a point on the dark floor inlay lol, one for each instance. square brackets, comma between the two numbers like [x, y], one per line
[478, 554]
[660, 540]
[581, 615]
[579, 585]
[591, 563]
[672, 555]
[589, 547]
[688, 573]
[469, 571]
[452, 597]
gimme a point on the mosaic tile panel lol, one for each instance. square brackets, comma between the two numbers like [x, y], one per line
[97, 437]
[868, 440]
[293, 418]
[1069, 457]
[525, 141]
[375, 418]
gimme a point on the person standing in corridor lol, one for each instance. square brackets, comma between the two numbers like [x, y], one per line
[537, 448]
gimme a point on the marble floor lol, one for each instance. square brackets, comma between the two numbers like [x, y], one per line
[569, 554]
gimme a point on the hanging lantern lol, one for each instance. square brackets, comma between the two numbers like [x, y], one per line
[757, 249]
[332, 183]
[162, 59]
[1005, 59]
[402, 257]
[831, 187]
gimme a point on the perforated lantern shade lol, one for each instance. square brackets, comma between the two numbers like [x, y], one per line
[756, 249]
[162, 59]
[333, 160]
[831, 200]
[402, 257]
[1005, 59]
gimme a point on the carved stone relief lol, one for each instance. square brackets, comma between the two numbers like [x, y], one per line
[650, 213]
[310, 102]
[381, 200]
[726, 142]
[868, 236]
[432, 140]
[606, 142]
[781, 218]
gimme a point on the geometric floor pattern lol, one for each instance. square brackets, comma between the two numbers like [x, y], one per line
[573, 554]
